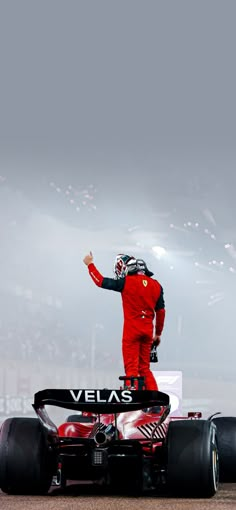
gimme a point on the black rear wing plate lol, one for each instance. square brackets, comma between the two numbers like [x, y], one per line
[100, 401]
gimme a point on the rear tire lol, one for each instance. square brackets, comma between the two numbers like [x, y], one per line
[193, 464]
[26, 461]
[226, 436]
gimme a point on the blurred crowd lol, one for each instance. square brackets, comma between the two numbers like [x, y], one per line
[37, 333]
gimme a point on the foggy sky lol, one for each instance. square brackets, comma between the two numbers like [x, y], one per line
[136, 98]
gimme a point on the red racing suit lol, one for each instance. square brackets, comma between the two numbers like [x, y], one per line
[143, 301]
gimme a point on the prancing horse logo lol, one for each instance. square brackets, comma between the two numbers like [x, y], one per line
[145, 283]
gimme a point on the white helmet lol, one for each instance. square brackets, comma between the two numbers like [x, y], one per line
[126, 264]
[123, 264]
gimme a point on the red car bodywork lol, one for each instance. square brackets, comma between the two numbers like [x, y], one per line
[142, 425]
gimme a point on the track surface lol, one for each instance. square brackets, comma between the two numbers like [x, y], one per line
[86, 498]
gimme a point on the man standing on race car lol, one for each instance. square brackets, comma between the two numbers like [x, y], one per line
[143, 301]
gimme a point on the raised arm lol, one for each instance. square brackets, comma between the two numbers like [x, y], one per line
[99, 279]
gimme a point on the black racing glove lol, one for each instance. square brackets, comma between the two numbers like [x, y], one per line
[153, 353]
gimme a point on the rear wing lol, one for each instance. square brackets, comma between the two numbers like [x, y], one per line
[103, 401]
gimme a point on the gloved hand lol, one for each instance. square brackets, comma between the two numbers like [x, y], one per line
[157, 338]
[153, 353]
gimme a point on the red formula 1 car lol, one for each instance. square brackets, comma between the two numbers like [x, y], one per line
[124, 439]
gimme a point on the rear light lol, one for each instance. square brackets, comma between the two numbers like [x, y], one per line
[99, 457]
